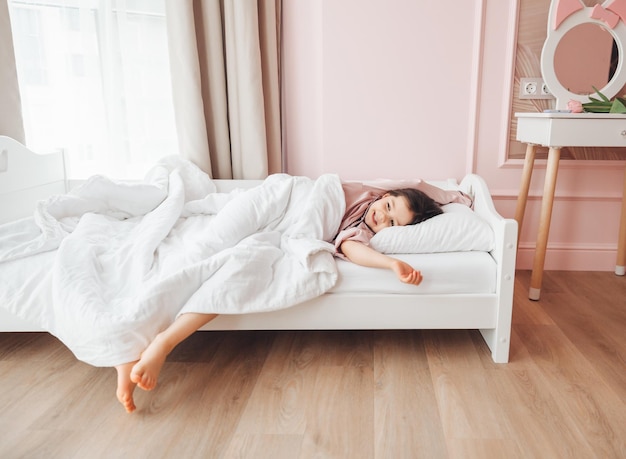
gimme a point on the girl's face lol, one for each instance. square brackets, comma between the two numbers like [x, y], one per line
[388, 211]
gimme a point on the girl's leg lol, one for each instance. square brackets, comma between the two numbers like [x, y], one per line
[145, 372]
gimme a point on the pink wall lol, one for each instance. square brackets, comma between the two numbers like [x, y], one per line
[376, 88]
[362, 74]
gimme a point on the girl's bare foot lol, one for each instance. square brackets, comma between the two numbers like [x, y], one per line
[125, 387]
[145, 372]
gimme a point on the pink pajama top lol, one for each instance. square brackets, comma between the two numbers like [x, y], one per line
[360, 195]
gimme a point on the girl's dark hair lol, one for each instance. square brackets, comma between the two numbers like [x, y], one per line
[422, 205]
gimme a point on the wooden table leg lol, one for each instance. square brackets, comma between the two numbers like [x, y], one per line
[620, 268]
[529, 163]
[554, 155]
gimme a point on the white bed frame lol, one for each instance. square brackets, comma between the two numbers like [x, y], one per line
[26, 177]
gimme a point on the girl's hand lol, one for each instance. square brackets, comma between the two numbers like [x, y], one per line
[406, 273]
[364, 255]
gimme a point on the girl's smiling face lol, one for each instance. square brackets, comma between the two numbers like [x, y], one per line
[388, 211]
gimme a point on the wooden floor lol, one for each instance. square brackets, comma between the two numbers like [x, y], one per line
[370, 394]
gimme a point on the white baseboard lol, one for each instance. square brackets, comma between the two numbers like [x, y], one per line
[571, 257]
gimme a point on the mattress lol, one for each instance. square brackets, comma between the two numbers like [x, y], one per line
[27, 282]
[443, 273]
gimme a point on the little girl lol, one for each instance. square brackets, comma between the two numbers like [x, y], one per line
[369, 209]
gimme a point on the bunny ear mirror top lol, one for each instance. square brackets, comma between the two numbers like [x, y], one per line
[611, 11]
[561, 9]
[584, 49]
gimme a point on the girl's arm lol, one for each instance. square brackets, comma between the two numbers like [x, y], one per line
[364, 255]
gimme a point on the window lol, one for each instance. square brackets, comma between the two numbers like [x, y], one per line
[95, 81]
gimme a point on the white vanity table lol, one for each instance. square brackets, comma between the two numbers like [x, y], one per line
[595, 38]
[557, 130]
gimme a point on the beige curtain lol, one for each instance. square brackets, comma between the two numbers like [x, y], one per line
[11, 123]
[224, 57]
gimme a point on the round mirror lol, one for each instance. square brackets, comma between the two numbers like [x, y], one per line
[584, 48]
[586, 57]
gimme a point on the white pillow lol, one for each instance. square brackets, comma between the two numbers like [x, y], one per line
[458, 229]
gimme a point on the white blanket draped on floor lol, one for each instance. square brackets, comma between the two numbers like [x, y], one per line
[129, 258]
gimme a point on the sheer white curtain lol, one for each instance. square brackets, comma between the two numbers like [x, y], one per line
[94, 80]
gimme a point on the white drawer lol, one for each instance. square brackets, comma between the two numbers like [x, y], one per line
[574, 130]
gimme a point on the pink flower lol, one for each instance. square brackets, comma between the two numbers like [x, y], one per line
[575, 106]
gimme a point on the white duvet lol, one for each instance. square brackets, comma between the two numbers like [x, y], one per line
[131, 257]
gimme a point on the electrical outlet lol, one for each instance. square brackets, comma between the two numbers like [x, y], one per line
[534, 88]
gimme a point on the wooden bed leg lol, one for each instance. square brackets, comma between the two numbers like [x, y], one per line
[554, 155]
[620, 266]
[529, 163]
